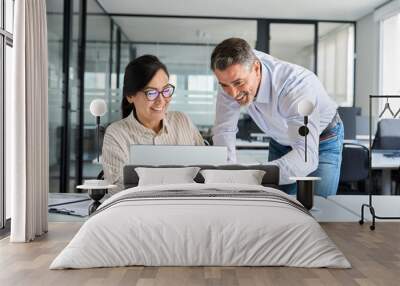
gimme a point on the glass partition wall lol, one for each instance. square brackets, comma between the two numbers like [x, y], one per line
[184, 45]
[55, 92]
[99, 82]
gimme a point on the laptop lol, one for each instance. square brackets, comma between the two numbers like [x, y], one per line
[177, 155]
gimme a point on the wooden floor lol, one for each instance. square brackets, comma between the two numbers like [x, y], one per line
[374, 255]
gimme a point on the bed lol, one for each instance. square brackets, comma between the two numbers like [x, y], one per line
[198, 224]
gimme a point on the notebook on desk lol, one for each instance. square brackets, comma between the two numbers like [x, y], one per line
[177, 155]
[393, 154]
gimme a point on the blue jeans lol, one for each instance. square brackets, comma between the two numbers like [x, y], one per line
[330, 160]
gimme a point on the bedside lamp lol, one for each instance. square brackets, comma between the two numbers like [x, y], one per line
[305, 108]
[98, 108]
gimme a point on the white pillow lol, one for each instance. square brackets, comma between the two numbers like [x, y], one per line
[165, 176]
[249, 177]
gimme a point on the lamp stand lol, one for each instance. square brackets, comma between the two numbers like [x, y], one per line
[98, 136]
[96, 195]
[305, 193]
[303, 131]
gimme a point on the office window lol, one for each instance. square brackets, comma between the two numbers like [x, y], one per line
[336, 61]
[390, 62]
[293, 43]
[173, 79]
[199, 99]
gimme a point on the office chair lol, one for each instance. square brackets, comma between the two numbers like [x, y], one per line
[246, 126]
[354, 168]
[348, 116]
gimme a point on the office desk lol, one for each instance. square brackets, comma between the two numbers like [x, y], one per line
[252, 156]
[386, 164]
[384, 205]
[251, 145]
[255, 152]
[245, 144]
[251, 152]
[364, 143]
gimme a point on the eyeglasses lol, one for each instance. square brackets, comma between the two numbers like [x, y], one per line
[152, 94]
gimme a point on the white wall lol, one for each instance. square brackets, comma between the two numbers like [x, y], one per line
[367, 64]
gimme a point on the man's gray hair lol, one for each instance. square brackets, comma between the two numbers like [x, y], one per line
[232, 51]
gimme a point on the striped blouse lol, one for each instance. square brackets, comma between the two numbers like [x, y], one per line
[177, 130]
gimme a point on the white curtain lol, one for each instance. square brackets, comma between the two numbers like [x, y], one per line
[27, 123]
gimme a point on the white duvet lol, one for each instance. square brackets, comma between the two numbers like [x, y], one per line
[183, 231]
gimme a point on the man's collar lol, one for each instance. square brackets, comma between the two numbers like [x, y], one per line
[264, 91]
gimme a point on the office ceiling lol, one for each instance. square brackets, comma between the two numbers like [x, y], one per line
[349, 10]
[57, 6]
[143, 29]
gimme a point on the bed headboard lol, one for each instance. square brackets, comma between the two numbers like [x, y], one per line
[270, 179]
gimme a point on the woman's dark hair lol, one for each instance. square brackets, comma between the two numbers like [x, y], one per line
[138, 73]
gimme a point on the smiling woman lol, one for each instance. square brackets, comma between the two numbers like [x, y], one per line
[146, 120]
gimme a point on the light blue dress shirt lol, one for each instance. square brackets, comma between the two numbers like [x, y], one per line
[283, 85]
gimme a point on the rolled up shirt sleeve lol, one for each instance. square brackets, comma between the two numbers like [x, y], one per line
[226, 121]
[293, 163]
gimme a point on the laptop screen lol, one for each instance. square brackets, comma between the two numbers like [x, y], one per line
[177, 155]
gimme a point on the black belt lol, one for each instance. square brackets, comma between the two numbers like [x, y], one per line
[335, 120]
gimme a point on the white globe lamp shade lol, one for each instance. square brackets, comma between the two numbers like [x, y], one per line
[305, 107]
[98, 107]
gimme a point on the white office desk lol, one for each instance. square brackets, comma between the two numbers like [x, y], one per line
[379, 161]
[364, 143]
[255, 152]
[251, 157]
[386, 164]
[251, 152]
[245, 144]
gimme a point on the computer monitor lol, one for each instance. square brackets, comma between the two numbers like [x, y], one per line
[387, 137]
[177, 155]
